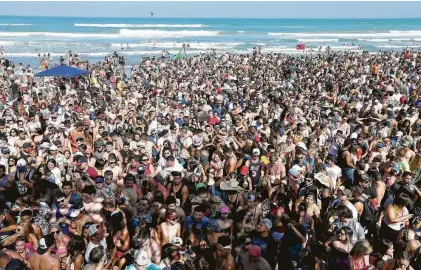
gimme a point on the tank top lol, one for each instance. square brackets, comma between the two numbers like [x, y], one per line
[255, 171]
[398, 225]
[178, 194]
[63, 227]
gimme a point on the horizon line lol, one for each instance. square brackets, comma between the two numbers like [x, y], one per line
[270, 18]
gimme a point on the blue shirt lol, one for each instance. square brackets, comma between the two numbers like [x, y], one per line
[190, 221]
[179, 121]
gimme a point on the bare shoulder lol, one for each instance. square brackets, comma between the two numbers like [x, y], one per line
[33, 257]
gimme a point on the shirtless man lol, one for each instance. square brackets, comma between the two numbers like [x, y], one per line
[148, 244]
[169, 229]
[221, 257]
[109, 148]
[230, 162]
[116, 169]
[92, 204]
[405, 153]
[43, 259]
[171, 203]
[22, 139]
[313, 209]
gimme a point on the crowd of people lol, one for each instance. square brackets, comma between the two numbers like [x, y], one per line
[222, 161]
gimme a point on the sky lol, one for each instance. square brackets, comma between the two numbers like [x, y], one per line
[215, 9]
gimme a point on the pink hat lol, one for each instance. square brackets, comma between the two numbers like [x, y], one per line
[224, 210]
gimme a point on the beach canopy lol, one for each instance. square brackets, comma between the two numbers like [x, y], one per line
[62, 71]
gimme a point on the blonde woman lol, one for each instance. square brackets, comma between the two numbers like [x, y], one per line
[359, 255]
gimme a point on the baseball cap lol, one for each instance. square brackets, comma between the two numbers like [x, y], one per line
[177, 241]
[26, 145]
[81, 159]
[213, 224]
[255, 251]
[224, 210]
[53, 148]
[76, 211]
[267, 223]
[200, 185]
[141, 258]
[294, 172]
[346, 192]
[153, 266]
[93, 229]
[251, 197]
[99, 179]
[99, 143]
[5, 150]
[45, 242]
[256, 151]
[21, 162]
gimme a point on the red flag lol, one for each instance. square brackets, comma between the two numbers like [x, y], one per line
[300, 46]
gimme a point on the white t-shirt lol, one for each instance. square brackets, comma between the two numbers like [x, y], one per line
[334, 173]
[91, 246]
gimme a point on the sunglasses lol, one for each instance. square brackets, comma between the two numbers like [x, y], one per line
[55, 232]
[60, 201]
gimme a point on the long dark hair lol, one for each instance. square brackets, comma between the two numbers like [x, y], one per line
[76, 246]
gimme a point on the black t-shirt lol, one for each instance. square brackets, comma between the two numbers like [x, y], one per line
[268, 246]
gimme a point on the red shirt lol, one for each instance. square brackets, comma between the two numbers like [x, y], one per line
[213, 120]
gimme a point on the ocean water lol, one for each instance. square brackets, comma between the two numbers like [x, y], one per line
[93, 38]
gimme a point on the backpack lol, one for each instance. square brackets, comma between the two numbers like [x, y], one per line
[370, 213]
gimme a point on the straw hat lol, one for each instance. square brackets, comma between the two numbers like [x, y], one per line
[232, 184]
[322, 178]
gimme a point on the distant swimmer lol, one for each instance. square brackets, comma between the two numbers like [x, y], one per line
[345, 43]
[122, 48]
[127, 45]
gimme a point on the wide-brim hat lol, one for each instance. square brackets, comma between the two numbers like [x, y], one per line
[326, 105]
[322, 178]
[368, 120]
[232, 184]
